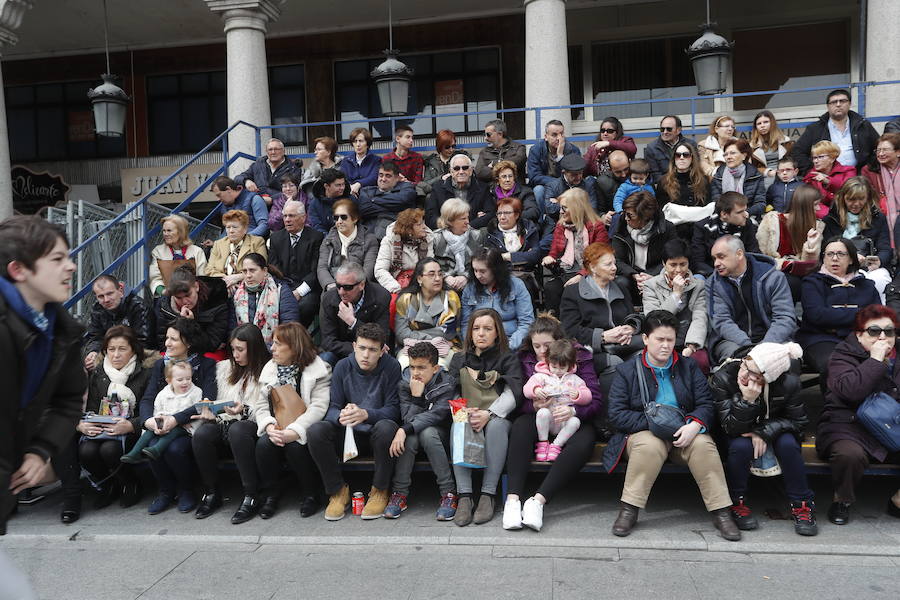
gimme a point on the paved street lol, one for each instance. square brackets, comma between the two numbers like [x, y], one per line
[673, 553]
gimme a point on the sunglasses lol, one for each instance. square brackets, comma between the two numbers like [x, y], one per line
[875, 331]
[461, 168]
[682, 155]
[341, 217]
[667, 129]
[607, 131]
[347, 287]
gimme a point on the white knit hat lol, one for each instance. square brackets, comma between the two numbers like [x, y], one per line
[773, 360]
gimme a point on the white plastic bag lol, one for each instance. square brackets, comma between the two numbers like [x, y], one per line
[350, 451]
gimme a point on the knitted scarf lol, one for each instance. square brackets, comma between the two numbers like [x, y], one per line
[576, 242]
[511, 240]
[641, 239]
[287, 375]
[346, 240]
[458, 245]
[733, 179]
[266, 317]
[419, 245]
[118, 378]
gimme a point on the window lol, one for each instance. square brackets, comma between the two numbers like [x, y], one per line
[819, 56]
[576, 87]
[54, 122]
[288, 103]
[449, 82]
[650, 69]
[186, 111]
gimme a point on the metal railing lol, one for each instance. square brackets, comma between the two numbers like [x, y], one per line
[128, 260]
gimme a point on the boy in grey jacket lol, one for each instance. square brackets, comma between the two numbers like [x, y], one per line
[425, 393]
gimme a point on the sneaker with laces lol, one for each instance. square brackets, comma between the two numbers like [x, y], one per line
[743, 516]
[396, 505]
[804, 514]
[447, 510]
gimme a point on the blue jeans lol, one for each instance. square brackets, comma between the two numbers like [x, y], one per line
[787, 450]
[539, 191]
[174, 471]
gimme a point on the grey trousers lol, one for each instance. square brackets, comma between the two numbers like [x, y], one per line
[434, 441]
[496, 440]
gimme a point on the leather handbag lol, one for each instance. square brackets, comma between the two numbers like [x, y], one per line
[880, 415]
[663, 419]
[286, 405]
[167, 267]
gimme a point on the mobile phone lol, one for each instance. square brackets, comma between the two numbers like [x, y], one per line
[159, 422]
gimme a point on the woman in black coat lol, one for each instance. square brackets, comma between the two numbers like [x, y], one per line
[98, 447]
[861, 365]
[757, 398]
[638, 236]
[597, 312]
[738, 175]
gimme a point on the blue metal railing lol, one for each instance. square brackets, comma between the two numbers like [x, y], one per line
[228, 160]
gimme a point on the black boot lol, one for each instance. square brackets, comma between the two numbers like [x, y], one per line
[71, 508]
[109, 493]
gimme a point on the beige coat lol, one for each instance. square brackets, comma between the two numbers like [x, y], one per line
[163, 252]
[219, 254]
[768, 235]
[711, 155]
[758, 158]
[314, 389]
[385, 257]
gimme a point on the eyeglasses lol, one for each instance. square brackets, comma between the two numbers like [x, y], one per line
[461, 168]
[666, 129]
[608, 130]
[506, 213]
[876, 331]
[630, 215]
[341, 217]
[838, 101]
[682, 155]
[884, 150]
[836, 254]
[821, 157]
[563, 208]
[347, 287]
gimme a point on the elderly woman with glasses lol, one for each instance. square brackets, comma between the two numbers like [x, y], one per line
[884, 175]
[861, 365]
[711, 148]
[827, 174]
[506, 185]
[348, 241]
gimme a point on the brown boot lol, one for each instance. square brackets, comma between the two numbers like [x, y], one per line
[337, 505]
[484, 512]
[625, 522]
[728, 529]
[375, 505]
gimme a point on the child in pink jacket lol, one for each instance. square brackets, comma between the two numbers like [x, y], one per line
[555, 382]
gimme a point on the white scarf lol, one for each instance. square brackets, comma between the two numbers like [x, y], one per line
[511, 238]
[346, 240]
[458, 245]
[118, 378]
[641, 239]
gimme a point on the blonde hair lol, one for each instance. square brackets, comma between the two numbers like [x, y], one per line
[181, 226]
[855, 188]
[826, 147]
[579, 207]
[176, 364]
[717, 122]
[451, 210]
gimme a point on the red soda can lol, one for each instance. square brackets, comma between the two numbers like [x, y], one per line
[358, 502]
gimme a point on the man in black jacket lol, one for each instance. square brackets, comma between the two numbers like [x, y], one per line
[659, 152]
[39, 341]
[464, 185]
[849, 130]
[204, 299]
[113, 307]
[295, 251]
[608, 184]
[352, 302]
[263, 177]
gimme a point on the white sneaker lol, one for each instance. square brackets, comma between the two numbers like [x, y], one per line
[533, 514]
[512, 514]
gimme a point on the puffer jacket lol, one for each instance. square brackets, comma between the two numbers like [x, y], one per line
[784, 413]
[211, 314]
[529, 255]
[692, 321]
[432, 408]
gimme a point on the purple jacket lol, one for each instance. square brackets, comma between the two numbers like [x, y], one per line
[852, 376]
[584, 369]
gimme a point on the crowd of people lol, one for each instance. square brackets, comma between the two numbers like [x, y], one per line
[665, 305]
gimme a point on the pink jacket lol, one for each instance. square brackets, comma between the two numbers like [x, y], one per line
[557, 387]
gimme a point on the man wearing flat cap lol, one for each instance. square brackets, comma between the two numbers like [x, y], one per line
[572, 167]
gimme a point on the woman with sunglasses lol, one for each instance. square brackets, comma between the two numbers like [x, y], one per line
[863, 364]
[711, 148]
[831, 299]
[609, 139]
[684, 191]
[347, 241]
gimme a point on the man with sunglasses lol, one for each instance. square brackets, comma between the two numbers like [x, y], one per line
[499, 147]
[659, 152]
[544, 157]
[749, 301]
[461, 184]
[352, 302]
[572, 166]
[380, 204]
[846, 128]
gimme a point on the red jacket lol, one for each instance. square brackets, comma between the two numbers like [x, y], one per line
[839, 174]
[624, 143]
[596, 233]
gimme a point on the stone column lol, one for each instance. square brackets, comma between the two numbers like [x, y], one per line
[882, 58]
[247, 73]
[546, 62]
[11, 13]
